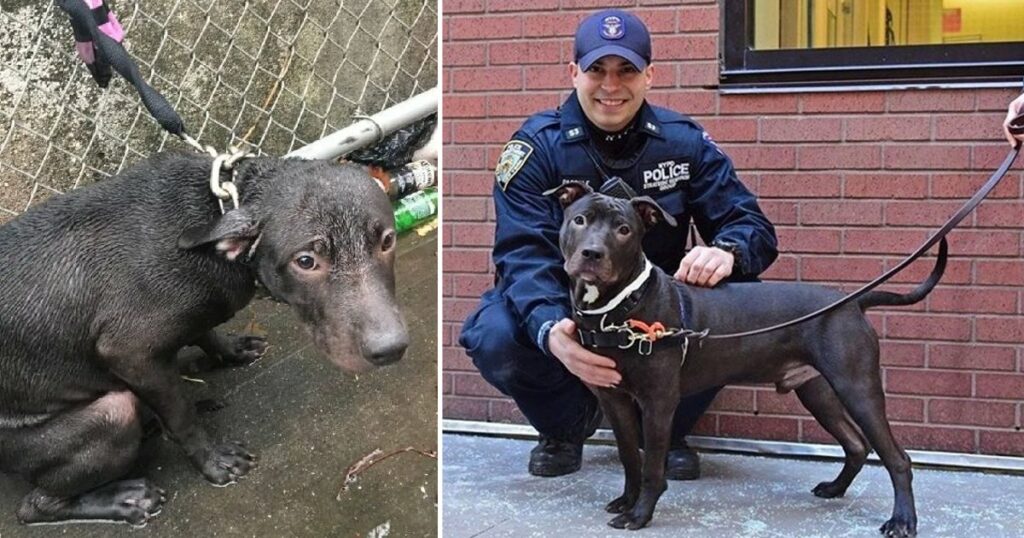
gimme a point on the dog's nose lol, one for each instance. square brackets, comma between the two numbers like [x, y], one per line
[592, 254]
[387, 349]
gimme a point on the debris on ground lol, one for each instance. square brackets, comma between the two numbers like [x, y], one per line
[373, 458]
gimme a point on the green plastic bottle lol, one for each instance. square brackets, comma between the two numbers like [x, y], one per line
[414, 209]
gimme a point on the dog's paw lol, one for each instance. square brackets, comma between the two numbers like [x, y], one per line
[138, 501]
[620, 505]
[897, 528]
[630, 520]
[242, 350]
[226, 463]
[828, 490]
[130, 501]
[210, 405]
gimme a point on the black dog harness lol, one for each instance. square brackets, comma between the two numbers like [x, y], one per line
[629, 332]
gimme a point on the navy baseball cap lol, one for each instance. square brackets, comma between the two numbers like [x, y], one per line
[613, 32]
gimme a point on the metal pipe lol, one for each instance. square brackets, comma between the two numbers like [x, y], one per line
[367, 131]
[921, 458]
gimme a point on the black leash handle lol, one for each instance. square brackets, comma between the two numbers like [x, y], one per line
[1016, 127]
[113, 53]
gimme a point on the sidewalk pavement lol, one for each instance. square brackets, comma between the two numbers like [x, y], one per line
[488, 493]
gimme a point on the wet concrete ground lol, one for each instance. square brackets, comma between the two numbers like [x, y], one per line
[488, 493]
[307, 422]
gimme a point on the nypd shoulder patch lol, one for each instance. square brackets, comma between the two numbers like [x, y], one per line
[513, 157]
[709, 140]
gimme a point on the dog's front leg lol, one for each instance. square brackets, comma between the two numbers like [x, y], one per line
[618, 406]
[232, 350]
[155, 380]
[657, 427]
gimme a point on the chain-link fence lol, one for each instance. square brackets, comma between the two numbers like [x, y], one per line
[274, 74]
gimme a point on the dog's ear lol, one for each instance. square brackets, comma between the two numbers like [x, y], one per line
[650, 212]
[567, 193]
[232, 234]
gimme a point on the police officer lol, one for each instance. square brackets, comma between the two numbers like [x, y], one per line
[520, 337]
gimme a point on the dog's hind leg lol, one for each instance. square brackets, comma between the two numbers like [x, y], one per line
[819, 398]
[624, 417]
[858, 384]
[74, 460]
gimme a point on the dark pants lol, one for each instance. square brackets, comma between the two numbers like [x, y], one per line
[556, 403]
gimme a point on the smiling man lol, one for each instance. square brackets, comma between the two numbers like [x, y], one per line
[608, 136]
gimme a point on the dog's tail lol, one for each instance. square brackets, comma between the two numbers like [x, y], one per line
[885, 298]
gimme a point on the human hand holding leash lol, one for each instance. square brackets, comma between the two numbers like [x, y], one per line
[1012, 112]
[591, 368]
[705, 266]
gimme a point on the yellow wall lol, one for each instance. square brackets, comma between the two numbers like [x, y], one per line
[991, 20]
[783, 23]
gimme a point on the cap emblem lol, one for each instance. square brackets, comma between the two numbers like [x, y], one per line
[612, 27]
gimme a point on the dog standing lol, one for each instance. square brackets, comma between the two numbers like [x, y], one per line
[830, 361]
[100, 287]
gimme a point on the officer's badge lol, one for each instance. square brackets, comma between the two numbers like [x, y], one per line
[611, 27]
[513, 157]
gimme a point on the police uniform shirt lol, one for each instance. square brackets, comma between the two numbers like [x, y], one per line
[678, 165]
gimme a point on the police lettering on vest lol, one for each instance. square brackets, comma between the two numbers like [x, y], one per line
[665, 175]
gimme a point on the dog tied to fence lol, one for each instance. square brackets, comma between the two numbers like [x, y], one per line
[103, 285]
[633, 312]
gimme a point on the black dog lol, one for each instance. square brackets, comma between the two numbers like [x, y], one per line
[830, 361]
[102, 286]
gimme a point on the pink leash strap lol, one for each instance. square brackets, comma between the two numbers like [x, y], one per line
[106, 22]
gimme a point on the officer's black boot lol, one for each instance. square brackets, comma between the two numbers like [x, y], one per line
[682, 462]
[557, 457]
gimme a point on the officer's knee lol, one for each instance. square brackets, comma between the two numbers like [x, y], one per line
[494, 352]
[505, 357]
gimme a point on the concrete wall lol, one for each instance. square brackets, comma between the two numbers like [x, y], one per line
[273, 74]
[853, 180]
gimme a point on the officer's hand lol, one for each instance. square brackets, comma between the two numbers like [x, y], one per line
[1011, 112]
[705, 266]
[591, 368]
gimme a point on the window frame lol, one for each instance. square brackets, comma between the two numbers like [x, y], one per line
[743, 69]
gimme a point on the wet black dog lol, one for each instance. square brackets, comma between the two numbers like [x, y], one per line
[99, 289]
[830, 361]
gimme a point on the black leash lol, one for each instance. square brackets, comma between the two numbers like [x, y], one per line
[85, 22]
[624, 336]
[1016, 127]
[110, 52]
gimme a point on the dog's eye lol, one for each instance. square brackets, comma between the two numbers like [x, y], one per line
[579, 220]
[306, 262]
[624, 230]
[387, 241]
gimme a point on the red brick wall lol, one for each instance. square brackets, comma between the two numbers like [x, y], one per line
[853, 181]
